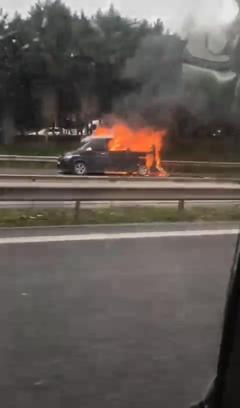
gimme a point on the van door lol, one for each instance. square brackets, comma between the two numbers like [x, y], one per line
[100, 156]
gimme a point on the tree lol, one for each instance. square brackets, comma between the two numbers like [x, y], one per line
[55, 64]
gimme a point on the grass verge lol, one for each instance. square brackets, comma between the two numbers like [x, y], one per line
[37, 150]
[28, 165]
[48, 217]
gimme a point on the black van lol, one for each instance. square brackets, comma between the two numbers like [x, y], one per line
[93, 157]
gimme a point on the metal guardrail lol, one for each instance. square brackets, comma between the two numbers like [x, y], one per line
[200, 163]
[118, 192]
[52, 159]
[19, 158]
[58, 178]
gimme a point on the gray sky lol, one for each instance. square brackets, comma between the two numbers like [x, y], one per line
[174, 12]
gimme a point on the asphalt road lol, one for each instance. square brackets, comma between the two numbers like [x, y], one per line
[130, 323]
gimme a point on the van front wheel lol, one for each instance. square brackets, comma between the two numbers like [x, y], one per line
[80, 169]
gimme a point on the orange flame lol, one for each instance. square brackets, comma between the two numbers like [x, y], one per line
[144, 140]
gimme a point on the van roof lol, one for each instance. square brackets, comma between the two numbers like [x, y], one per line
[94, 137]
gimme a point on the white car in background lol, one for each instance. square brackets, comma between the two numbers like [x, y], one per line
[46, 132]
[55, 131]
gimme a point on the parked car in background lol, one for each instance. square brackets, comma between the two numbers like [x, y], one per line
[54, 131]
[50, 131]
[71, 132]
[94, 157]
[61, 131]
[90, 128]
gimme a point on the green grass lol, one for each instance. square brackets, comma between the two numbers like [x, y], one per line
[44, 217]
[38, 150]
[27, 165]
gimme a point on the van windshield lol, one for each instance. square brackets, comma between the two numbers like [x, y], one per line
[84, 146]
[95, 144]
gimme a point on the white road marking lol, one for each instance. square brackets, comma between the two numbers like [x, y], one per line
[117, 236]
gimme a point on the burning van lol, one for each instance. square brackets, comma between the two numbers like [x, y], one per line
[115, 150]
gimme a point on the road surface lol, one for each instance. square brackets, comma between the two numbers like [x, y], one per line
[105, 322]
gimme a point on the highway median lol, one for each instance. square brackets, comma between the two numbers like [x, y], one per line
[116, 215]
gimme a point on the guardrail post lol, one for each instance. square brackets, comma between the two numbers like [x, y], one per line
[181, 204]
[76, 210]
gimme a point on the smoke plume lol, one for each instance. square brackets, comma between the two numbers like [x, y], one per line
[205, 14]
[158, 68]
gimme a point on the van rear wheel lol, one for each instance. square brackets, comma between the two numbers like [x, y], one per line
[142, 170]
[80, 169]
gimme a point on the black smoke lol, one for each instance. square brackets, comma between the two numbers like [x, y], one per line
[156, 71]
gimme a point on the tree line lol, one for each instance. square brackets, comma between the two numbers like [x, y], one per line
[62, 68]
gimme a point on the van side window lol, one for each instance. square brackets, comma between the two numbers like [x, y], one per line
[99, 145]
